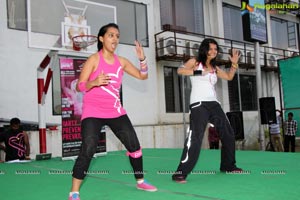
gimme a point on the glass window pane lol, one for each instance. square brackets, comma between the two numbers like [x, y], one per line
[132, 21]
[186, 15]
[16, 14]
[279, 33]
[284, 33]
[173, 91]
[126, 22]
[248, 93]
[166, 12]
[169, 89]
[233, 91]
[234, 27]
[141, 25]
[292, 35]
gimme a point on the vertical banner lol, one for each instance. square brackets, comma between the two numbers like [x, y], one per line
[71, 109]
[289, 73]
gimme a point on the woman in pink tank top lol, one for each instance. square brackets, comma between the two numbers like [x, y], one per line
[100, 81]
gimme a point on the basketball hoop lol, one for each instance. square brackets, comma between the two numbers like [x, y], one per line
[83, 41]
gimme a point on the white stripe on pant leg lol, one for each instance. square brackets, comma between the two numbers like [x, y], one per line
[188, 144]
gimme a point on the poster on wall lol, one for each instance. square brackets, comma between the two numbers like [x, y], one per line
[71, 109]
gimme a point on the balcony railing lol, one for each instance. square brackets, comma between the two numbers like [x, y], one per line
[179, 45]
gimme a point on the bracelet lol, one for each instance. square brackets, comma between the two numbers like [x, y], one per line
[144, 66]
[143, 60]
[235, 65]
[144, 70]
[197, 73]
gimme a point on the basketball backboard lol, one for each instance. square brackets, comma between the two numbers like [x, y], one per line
[52, 24]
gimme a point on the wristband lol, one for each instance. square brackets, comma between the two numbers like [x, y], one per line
[144, 60]
[82, 86]
[144, 70]
[144, 66]
[197, 73]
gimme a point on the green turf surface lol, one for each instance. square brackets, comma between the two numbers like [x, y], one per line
[268, 175]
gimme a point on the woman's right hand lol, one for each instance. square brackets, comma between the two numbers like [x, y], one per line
[102, 79]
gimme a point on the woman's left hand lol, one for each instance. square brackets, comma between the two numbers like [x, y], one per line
[235, 56]
[139, 50]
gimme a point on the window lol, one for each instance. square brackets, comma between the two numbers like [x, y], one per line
[233, 27]
[173, 91]
[132, 20]
[247, 93]
[284, 33]
[187, 14]
[16, 14]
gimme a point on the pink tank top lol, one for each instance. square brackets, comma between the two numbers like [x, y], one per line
[104, 101]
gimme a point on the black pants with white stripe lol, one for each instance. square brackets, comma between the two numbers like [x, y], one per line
[201, 114]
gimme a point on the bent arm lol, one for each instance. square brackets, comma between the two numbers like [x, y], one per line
[234, 58]
[129, 68]
[226, 75]
[188, 67]
[84, 84]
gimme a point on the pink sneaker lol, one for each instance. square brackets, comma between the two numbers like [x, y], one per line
[146, 186]
[74, 196]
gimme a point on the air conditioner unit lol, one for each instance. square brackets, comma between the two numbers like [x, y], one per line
[224, 53]
[250, 57]
[242, 56]
[194, 48]
[271, 60]
[291, 52]
[246, 58]
[170, 49]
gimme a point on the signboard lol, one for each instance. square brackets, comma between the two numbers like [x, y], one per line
[71, 109]
[254, 21]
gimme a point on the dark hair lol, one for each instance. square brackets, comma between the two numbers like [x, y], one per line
[203, 50]
[15, 121]
[290, 114]
[102, 32]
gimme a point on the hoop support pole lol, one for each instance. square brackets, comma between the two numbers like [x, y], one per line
[42, 89]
